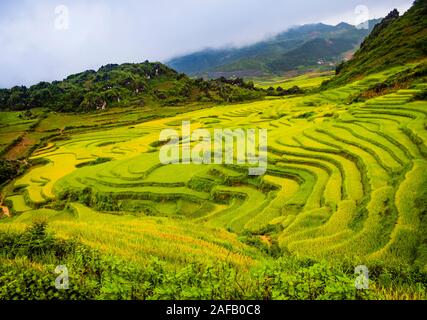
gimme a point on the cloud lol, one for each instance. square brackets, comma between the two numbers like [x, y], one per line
[111, 31]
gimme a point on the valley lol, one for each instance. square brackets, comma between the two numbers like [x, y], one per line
[85, 185]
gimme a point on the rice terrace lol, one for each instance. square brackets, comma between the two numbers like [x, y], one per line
[344, 183]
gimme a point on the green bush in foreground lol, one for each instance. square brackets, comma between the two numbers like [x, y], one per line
[28, 261]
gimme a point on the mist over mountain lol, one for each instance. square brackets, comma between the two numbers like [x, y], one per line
[318, 46]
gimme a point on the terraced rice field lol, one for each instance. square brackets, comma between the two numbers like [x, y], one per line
[342, 182]
[305, 81]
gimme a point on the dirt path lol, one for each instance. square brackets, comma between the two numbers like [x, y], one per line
[20, 148]
[25, 143]
[5, 211]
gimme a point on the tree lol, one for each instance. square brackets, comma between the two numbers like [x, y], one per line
[18, 98]
[91, 101]
[339, 68]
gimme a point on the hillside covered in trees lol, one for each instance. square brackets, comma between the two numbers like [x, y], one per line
[393, 42]
[124, 85]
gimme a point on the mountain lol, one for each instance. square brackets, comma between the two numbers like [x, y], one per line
[395, 41]
[124, 85]
[307, 46]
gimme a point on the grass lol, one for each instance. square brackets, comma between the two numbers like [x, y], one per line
[138, 239]
[18, 203]
[305, 81]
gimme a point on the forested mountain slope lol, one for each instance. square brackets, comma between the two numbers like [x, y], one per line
[124, 85]
[395, 41]
[307, 46]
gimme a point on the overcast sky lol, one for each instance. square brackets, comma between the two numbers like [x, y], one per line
[39, 43]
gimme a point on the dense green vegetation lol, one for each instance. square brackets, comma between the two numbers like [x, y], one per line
[10, 170]
[124, 85]
[29, 259]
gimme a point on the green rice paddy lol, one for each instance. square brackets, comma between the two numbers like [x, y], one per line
[344, 181]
